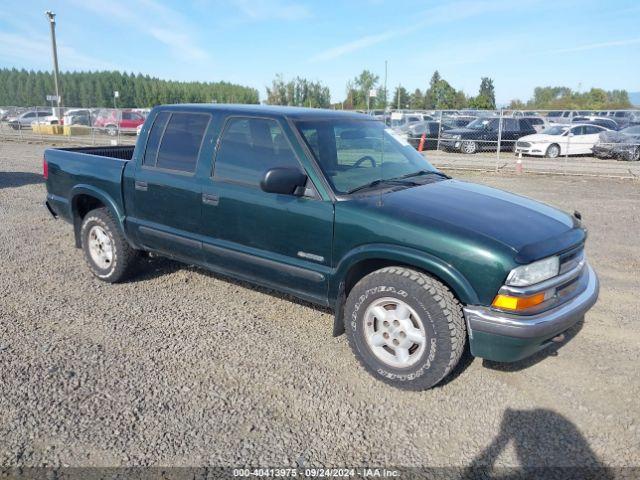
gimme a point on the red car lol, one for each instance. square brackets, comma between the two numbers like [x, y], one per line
[125, 121]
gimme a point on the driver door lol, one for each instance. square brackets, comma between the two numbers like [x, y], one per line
[284, 241]
[576, 139]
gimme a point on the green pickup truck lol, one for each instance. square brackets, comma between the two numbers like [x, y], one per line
[334, 208]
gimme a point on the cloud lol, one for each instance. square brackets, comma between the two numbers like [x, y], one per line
[596, 46]
[36, 50]
[179, 43]
[439, 14]
[359, 44]
[262, 10]
[155, 20]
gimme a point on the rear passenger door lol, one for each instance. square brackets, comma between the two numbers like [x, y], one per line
[166, 194]
[510, 132]
[282, 241]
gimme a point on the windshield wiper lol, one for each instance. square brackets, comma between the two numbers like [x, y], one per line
[425, 172]
[380, 181]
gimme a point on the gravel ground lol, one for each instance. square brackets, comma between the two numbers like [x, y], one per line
[183, 367]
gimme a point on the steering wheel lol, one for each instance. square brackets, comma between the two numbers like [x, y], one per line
[364, 159]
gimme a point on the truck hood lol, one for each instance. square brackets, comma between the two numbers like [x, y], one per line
[531, 229]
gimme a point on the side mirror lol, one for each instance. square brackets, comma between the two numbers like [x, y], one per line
[284, 180]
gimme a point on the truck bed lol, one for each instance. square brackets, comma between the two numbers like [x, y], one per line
[96, 171]
[124, 152]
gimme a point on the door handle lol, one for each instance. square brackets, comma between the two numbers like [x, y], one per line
[210, 199]
[142, 186]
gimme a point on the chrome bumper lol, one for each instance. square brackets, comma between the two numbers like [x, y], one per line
[544, 324]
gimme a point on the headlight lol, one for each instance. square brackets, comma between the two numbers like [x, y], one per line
[533, 273]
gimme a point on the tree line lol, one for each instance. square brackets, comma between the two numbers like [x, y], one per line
[564, 98]
[96, 89]
[365, 92]
[439, 94]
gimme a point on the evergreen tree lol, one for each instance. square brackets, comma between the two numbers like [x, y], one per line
[416, 100]
[95, 89]
[400, 98]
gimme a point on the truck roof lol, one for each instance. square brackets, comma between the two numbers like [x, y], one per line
[271, 110]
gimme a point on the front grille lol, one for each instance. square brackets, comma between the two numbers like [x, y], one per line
[523, 144]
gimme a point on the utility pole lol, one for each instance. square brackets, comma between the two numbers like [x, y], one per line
[52, 23]
[386, 93]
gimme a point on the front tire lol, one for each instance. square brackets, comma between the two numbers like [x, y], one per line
[106, 251]
[469, 147]
[405, 327]
[553, 151]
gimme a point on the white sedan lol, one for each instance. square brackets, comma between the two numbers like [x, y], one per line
[560, 140]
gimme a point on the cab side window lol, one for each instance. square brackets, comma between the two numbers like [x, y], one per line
[151, 152]
[249, 147]
[180, 144]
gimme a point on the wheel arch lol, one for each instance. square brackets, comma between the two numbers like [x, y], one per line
[560, 151]
[365, 260]
[85, 198]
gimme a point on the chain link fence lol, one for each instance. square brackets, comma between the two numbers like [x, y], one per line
[603, 143]
[578, 142]
[75, 126]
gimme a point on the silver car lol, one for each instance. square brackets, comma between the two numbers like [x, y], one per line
[24, 120]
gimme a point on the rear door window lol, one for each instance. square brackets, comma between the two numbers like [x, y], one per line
[180, 144]
[153, 141]
[510, 125]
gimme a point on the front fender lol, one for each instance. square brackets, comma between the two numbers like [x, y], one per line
[405, 256]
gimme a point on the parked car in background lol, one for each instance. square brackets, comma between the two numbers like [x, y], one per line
[538, 123]
[77, 116]
[595, 120]
[401, 120]
[114, 121]
[24, 120]
[430, 129]
[561, 116]
[524, 113]
[560, 140]
[623, 145]
[483, 134]
[458, 121]
[626, 118]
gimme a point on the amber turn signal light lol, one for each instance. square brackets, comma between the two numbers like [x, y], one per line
[507, 302]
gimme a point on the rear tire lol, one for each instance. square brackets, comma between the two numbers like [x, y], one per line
[107, 252]
[112, 130]
[405, 327]
[469, 147]
[553, 151]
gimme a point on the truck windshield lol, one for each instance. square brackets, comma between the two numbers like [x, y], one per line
[353, 153]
